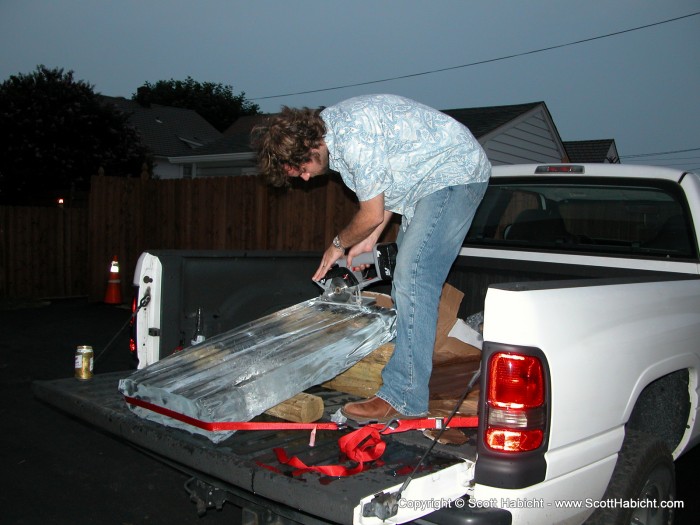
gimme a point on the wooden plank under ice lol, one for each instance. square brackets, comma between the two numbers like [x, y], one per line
[365, 377]
[302, 408]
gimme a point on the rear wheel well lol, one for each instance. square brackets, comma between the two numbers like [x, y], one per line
[663, 408]
[644, 471]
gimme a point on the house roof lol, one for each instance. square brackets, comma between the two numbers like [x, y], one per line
[245, 124]
[591, 150]
[166, 130]
[235, 140]
[238, 143]
[482, 121]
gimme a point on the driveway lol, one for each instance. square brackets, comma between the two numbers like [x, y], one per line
[56, 469]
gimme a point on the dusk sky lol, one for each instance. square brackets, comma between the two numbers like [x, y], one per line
[622, 69]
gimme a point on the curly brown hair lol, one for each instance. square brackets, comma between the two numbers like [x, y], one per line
[285, 141]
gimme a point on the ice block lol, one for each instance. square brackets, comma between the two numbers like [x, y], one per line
[239, 374]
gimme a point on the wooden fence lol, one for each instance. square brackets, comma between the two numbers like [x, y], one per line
[43, 252]
[63, 252]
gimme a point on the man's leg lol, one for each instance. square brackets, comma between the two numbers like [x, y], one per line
[427, 249]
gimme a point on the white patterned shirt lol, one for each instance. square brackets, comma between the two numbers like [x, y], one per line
[396, 146]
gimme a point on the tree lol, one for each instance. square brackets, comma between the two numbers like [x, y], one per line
[215, 103]
[55, 133]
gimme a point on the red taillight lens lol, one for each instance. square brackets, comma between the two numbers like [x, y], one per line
[513, 440]
[132, 324]
[515, 401]
[515, 381]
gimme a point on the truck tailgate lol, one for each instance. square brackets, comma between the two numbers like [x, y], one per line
[246, 460]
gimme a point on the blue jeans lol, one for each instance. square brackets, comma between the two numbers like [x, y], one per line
[427, 250]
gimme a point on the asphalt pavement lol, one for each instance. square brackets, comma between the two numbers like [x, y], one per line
[60, 470]
[57, 469]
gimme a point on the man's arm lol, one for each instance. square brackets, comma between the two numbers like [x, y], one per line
[368, 219]
[368, 223]
[368, 243]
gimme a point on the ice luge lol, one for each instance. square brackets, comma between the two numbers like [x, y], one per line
[239, 374]
[242, 345]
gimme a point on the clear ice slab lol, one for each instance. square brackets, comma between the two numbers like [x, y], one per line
[241, 373]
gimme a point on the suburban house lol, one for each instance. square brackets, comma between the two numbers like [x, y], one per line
[168, 132]
[512, 134]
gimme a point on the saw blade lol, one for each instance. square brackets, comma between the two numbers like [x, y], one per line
[341, 286]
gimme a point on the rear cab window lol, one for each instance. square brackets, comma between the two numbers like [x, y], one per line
[618, 217]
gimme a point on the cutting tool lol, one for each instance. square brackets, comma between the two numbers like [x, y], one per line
[343, 285]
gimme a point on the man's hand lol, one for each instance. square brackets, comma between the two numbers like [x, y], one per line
[367, 244]
[361, 247]
[330, 256]
[360, 235]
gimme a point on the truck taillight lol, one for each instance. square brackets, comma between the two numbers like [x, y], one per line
[515, 401]
[132, 325]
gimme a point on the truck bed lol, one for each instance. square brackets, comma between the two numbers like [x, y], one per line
[245, 465]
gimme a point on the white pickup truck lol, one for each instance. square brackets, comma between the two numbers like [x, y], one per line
[587, 277]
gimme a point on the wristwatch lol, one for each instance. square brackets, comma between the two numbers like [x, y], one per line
[336, 243]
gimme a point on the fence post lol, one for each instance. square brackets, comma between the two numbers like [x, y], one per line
[262, 204]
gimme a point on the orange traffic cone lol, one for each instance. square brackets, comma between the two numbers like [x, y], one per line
[113, 295]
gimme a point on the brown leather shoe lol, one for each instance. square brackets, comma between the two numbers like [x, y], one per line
[374, 409]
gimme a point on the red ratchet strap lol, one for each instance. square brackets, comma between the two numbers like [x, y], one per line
[361, 446]
[430, 423]
[365, 444]
[214, 426]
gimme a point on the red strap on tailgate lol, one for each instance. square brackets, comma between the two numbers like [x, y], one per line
[361, 446]
[365, 445]
[214, 426]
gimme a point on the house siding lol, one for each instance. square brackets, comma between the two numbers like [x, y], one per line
[225, 170]
[531, 139]
[162, 169]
